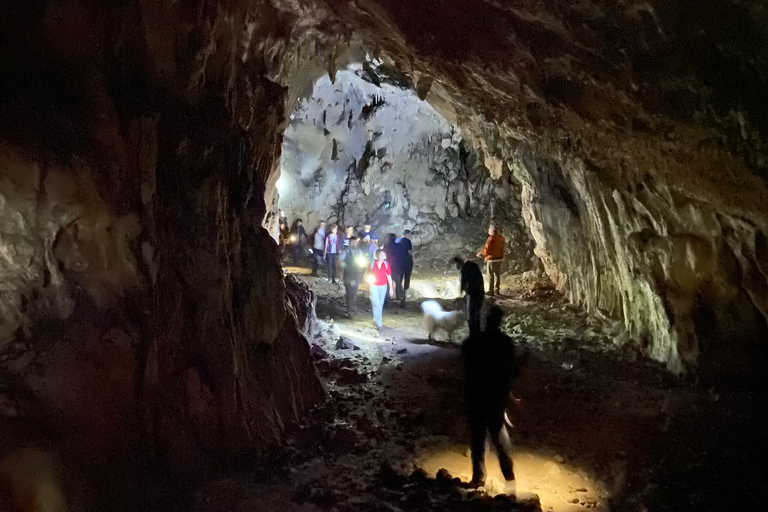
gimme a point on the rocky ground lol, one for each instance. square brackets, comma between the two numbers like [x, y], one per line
[598, 428]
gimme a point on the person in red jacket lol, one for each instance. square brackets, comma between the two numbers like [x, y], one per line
[380, 284]
[493, 254]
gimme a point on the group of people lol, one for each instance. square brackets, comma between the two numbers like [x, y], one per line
[489, 356]
[489, 362]
[357, 253]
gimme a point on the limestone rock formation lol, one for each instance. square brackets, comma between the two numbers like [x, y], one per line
[364, 148]
[144, 314]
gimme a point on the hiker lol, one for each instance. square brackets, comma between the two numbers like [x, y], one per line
[474, 290]
[318, 247]
[493, 254]
[373, 238]
[380, 281]
[353, 264]
[405, 248]
[298, 235]
[490, 367]
[395, 262]
[331, 252]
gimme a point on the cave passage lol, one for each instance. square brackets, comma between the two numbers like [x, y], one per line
[364, 149]
[159, 351]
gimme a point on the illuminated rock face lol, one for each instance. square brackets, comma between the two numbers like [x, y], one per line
[365, 148]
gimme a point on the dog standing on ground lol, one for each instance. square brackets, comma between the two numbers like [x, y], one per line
[435, 318]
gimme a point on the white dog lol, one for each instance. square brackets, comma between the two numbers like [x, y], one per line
[435, 318]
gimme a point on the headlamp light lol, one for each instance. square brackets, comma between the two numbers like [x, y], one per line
[371, 279]
[361, 261]
[293, 238]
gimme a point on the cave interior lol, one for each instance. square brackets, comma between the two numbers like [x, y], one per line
[164, 347]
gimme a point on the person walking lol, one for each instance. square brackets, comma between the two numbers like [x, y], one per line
[318, 247]
[493, 253]
[394, 258]
[331, 252]
[349, 232]
[298, 235]
[472, 286]
[380, 281]
[405, 248]
[373, 238]
[353, 264]
[490, 368]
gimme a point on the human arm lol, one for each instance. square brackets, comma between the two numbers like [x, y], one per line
[486, 250]
[325, 249]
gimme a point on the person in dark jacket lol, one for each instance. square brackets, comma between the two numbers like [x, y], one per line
[298, 237]
[331, 251]
[474, 290]
[353, 262]
[395, 260]
[490, 369]
[405, 247]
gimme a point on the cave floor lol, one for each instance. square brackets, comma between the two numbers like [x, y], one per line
[598, 427]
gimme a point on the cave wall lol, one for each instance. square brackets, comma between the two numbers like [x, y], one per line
[144, 319]
[365, 147]
[638, 131]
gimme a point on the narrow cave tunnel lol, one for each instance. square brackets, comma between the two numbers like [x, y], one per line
[160, 349]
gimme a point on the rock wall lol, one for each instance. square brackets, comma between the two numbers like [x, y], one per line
[364, 147]
[144, 317]
[638, 131]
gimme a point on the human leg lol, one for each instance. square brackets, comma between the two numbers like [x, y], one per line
[315, 262]
[398, 279]
[474, 307]
[332, 267]
[408, 272]
[491, 275]
[478, 433]
[377, 294]
[501, 440]
[495, 270]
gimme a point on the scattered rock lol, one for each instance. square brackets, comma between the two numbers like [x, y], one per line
[344, 343]
[402, 351]
[559, 458]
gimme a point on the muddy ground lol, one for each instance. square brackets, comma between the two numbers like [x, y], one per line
[599, 428]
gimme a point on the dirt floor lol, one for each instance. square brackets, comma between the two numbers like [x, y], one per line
[599, 427]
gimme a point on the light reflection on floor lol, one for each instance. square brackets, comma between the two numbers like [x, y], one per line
[557, 484]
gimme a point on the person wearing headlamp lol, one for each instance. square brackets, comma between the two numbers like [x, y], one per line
[353, 263]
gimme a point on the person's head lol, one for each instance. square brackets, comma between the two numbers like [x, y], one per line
[458, 261]
[353, 241]
[391, 237]
[406, 233]
[349, 231]
[298, 222]
[380, 255]
[366, 227]
[334, 228]
[492, 229]
[321, 225]
[493, 320]
[282, 213]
